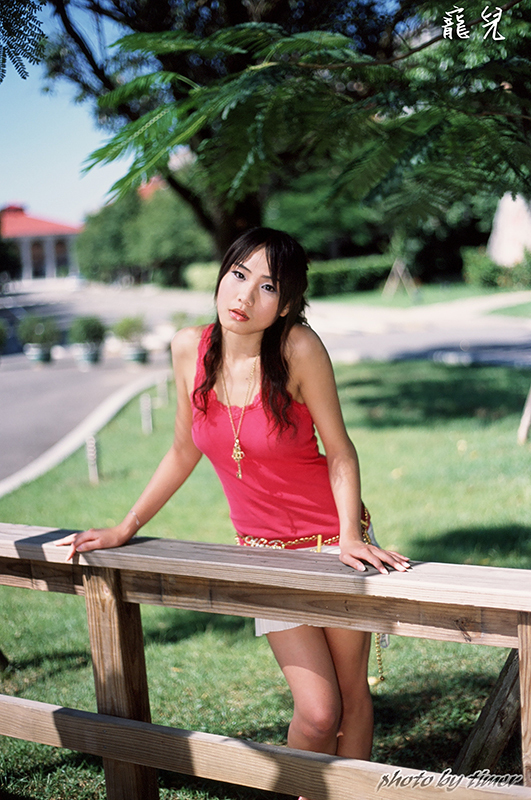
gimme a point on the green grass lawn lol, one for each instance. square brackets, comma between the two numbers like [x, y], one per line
[521, 310]
[425, 295]
[444, 480]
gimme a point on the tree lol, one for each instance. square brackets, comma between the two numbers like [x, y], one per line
[20, 35]
[187, 48]
[417, 122]
[153, 238]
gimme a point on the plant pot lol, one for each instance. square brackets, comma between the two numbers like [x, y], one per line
[87, 353]
[41, 353]
[135, 352]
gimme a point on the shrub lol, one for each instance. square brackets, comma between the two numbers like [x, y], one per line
[38, 330]
[343, 275]
[87, 330]
[130, 329]
[201, 276]
[480, 270]
[521, 273]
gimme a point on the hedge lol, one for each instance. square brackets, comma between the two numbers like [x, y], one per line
[479, 270]
[336, 276]
[342, 275]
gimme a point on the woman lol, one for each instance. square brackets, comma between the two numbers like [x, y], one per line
[250, 389]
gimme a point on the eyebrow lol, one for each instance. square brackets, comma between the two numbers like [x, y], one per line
[242, 266]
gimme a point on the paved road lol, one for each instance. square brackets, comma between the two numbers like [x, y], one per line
[40, 406]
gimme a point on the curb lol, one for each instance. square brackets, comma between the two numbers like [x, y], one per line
[77, 438]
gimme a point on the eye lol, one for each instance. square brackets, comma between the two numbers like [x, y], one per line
[268, 287]
[238, 275]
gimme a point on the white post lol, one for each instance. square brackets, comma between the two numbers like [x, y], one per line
[146, 413]
[92, 459]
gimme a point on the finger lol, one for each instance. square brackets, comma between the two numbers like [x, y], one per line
[65, 540]
[350, 561]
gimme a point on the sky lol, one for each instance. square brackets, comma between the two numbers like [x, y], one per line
[44, 141]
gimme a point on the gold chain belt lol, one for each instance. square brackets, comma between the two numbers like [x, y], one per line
[317, 539]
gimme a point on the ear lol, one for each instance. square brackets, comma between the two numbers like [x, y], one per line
[284, 310]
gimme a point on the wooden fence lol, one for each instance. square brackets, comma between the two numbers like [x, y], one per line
[468, 604]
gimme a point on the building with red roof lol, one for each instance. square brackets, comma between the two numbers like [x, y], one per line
[46, 248]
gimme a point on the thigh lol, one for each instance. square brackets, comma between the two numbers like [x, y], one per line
[349, 651]
[304, 656]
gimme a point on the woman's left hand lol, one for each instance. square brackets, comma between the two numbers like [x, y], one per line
[356, 553]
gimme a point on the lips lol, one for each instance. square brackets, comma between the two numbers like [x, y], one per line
[238, 315]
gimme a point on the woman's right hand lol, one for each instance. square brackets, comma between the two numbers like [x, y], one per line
[94, 539]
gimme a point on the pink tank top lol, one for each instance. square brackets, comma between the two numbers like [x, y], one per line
[284, 494]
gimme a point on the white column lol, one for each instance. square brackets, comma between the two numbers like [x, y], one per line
[50, 260]
[73, 266]
[26, 259]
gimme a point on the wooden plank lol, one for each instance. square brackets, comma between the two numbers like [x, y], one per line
[120, 679]
[456, 584]
[401, 617]
[496, 723]
[524, 660]
[261, 766]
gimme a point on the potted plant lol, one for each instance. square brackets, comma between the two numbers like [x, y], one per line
[38, 335]
[131, 330]
[88, 334]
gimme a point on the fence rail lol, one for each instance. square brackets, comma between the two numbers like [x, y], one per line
[448, 602]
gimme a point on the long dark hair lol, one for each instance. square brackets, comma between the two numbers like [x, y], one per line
[288, 264]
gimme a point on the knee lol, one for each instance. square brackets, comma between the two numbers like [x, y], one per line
[319, 721]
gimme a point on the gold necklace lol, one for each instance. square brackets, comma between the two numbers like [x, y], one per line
[237, 452]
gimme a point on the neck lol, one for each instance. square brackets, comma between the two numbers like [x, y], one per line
[238, 348]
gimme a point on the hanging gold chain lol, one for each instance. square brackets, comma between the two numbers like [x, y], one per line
[377, 636]
[237, 452]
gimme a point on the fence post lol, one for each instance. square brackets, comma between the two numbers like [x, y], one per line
[524, 655]
[120, 679]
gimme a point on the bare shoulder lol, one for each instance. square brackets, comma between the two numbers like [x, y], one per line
[305, 345]
[185, 342]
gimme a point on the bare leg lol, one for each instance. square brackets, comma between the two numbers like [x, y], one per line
[350, 654]
[326, 670]
[304, 657]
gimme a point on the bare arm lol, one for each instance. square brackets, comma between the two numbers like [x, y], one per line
[314, 381]
[172, 471]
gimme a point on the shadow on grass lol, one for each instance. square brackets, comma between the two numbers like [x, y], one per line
[426, 729]
[503, 545]
[416, 393]
[176, 625]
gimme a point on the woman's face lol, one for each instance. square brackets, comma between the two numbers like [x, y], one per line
[247, 299]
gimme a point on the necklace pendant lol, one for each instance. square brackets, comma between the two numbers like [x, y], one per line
[238, 454]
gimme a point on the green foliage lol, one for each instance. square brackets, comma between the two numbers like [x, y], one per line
[102, 246]
[480, 270]
[519, 276]
[342, 275]
[38, 330]
[431, 124]
[20, 35]
[201, 277]
[130, 329]
[87, 330]
[151, 238]
[325, 226]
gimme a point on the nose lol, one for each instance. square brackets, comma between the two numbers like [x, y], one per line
[246, 294]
